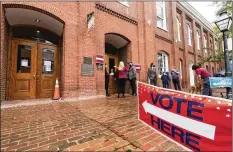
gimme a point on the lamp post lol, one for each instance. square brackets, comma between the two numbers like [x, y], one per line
[223, 23]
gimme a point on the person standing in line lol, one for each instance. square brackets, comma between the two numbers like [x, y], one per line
[168, 79]
[132, 77]
[165, 80]
[122, 75]
[176, 79]
[203, 74]
[152, 76]
[106, 80]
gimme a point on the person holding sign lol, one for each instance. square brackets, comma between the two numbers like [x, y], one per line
[204, 75]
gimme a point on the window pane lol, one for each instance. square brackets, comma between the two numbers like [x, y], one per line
[47, 61]
[159, 11]
[159, 22]
[24, 59]
[160, 63]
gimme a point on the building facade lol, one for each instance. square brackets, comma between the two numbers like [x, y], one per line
[42, 41]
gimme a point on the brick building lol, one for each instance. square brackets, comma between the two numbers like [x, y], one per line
[41, 41]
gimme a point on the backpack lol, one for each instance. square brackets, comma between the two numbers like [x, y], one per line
[175, 76]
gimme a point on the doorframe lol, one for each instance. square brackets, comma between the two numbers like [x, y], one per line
[9, 57]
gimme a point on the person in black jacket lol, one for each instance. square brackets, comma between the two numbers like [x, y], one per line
[106, 80]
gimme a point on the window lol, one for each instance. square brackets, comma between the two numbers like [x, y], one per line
[205, 44]
[181, 69]
[125, 2]
[178, 29]
[162, 63]
[198, 40]
[161, 15]
[189, 35]
[191, 75]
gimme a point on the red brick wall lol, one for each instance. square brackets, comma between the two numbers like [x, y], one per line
[3, 55]
[136, 22]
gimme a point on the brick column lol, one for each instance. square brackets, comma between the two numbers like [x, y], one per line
[186, 62]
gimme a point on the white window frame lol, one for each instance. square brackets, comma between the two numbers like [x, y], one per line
[178, 29]
[191, 75]
[164, 17]
[125, 2]
[205, 44]
[189, 34]
[198, 40]
[164, 63]
[181, 69]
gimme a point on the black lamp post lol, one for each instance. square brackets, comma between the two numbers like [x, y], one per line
[223, 23]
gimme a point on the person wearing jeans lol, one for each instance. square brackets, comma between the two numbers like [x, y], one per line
[204, 75]
[122, 75]
[176, 79]
[132, 77]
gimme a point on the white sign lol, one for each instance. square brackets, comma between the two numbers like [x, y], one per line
[47, 63]
[24, 63]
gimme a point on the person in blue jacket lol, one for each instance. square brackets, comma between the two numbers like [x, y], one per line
[165, 80]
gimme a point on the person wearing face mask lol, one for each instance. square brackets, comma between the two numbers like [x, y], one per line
[132, 77]
[106, 80]
[152, 76]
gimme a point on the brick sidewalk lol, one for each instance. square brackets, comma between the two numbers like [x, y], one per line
[95, 125]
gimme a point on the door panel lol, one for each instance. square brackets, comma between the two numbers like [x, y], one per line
[23, 70]
[111, 61]
[47, 67]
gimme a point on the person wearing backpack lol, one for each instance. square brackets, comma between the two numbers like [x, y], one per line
[132, 77]
[176, 79]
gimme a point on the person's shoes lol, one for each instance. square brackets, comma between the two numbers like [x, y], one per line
[107, 95]
[135, 94]
[123, 96]
[118, 96]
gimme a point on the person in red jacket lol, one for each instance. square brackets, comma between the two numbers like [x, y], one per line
[204, 75]
[122, 75]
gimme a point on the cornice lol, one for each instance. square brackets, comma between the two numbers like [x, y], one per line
[196, 14]
[163, 38]
[108, 10]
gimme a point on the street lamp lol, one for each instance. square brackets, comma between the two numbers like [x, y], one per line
[223, 23]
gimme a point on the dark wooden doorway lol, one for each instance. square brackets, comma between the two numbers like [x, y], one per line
[33, 70]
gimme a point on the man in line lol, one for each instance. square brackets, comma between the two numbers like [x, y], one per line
[132, 77]
[204, 75]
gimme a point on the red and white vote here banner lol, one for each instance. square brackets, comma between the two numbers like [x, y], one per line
[200, 123]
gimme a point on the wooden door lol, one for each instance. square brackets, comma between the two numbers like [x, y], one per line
[111, 61]
[23, 70]
[47, 70]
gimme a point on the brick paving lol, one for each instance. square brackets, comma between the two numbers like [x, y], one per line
[108, 124]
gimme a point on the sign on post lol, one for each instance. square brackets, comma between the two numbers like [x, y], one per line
[218, 82]
[199, 123]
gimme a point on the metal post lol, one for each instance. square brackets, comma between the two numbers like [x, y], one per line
[226, 60]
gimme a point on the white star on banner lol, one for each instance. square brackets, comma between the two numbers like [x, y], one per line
[173, 93]
[178, 94]
[229, 104]
[185, 96]
[200, 98]
[209, 100]
[218, 108]
[229, 110]
[219, 102]
[193, 97]
[228, 115]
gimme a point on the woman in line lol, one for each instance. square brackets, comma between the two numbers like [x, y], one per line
[122, 75]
